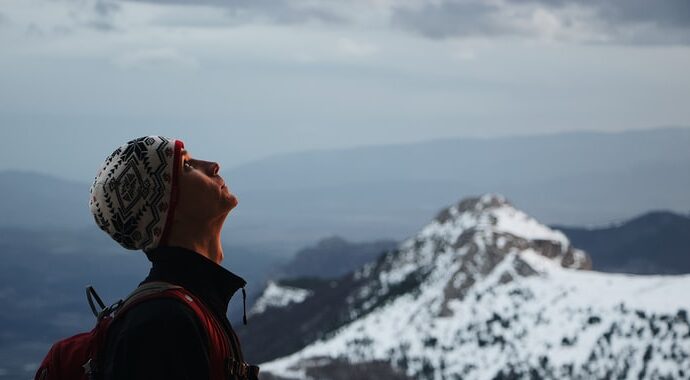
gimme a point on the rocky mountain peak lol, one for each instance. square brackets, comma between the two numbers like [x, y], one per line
[474, 205]
[467, 242]
[492, 222]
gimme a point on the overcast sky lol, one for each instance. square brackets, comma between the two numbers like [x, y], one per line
[240, 80]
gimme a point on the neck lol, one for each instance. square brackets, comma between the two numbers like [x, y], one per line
[203, 238]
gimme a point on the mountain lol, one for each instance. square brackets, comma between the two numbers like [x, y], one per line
[653, 243]
[372, 192]
[37, 201]
[482, 292]
[333, 257]
[375, 192]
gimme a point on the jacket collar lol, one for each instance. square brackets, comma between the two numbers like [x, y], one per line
[212, 283]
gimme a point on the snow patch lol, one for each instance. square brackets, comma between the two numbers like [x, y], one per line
[276, 295]
[517, 223]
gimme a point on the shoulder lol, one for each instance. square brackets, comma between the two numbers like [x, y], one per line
[159, 320]
[159, 338]
[159, 313]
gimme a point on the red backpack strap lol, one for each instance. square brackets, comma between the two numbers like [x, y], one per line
[219, 349]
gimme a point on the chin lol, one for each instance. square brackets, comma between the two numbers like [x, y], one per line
[233, 202]
[229, 204]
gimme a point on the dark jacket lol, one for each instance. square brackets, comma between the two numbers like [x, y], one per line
[163, 338]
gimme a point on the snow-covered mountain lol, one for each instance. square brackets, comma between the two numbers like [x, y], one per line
[485, 292]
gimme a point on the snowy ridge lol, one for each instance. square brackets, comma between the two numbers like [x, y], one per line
[486, 292]
[490, 213]
[276, 295]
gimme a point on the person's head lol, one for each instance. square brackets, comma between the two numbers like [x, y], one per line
[149, 186]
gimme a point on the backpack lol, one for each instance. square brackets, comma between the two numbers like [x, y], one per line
[76, 357]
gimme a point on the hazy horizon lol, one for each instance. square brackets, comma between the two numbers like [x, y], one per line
[86, 178]
[368, 192]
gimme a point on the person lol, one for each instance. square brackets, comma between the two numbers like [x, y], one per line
[151, 194]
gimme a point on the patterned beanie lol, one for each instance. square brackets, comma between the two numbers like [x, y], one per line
[134, 193]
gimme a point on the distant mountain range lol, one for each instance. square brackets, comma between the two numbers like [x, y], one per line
[289, 201]
[333, 257]
[482, 292]
[376, 192]
[654, 243]
[31, 200]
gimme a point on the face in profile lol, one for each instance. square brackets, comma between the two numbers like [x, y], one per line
[203, 195]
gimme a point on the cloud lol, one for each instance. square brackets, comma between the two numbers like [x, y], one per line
[638, 21]
[613, 21]
[475, 19]
[156, 58]
[94, 14]
[453, 18]
[101, 15]
[663, 13]
[105, 8]
[48, 18]
[272, 11]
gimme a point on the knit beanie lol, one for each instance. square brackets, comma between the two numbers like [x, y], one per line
[134, 193]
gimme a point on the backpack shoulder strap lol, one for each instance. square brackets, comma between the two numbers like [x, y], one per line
[219, 349]
[143, 292]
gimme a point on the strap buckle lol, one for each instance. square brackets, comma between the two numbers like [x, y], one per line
[109, 310]
[236, 367]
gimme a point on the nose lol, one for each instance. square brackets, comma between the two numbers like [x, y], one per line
[213, 168]
[210, 168]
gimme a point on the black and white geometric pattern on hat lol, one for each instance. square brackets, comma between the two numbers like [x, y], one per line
[131, 196]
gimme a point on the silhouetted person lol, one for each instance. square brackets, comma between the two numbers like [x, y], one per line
[152, 195]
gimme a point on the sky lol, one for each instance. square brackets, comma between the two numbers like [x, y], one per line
[242, 80]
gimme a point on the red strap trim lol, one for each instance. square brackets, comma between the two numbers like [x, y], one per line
[218, 344]
[219, 348]
[173, 192]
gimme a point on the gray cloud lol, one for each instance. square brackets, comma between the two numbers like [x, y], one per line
[451, 18]
[105, 8]
[664, 13]
[621, 21]
[276, 11]
[102, 14]
[96, 15]
[614, 21]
